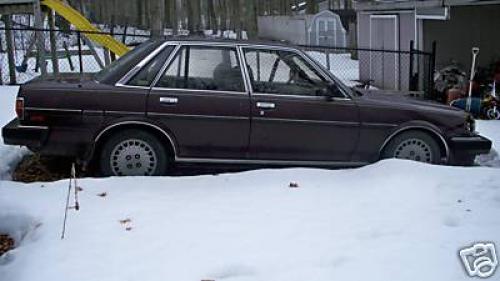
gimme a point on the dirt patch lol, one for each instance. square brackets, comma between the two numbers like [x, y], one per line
[36, 168]
[6, 244]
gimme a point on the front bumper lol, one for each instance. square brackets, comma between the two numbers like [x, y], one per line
[470, 145]
[464, 149]
[33, 137]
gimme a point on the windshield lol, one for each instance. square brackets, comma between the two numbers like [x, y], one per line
[116, 70]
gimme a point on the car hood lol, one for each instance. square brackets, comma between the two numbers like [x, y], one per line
[399, 99]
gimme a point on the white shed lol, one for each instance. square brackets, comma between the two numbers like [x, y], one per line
[323, 29]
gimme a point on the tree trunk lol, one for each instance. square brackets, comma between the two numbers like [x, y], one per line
[237, 18]
[157, 8]
[212, 22]
[193, 11]
[251, 19]
[174, 20]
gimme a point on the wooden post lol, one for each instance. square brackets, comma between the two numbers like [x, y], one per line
[40, 40]
[31, 46]
[10, 49]
[53, 43]
[112, 33]
[68, 56]
[93, 51]
[107, 59]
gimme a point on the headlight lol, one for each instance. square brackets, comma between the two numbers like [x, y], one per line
[470, 124]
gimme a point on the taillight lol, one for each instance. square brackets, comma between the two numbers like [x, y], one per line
[20, 108]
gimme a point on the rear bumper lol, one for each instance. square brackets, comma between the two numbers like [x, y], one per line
[33, 137]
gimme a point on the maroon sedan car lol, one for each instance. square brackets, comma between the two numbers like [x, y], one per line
[230, 102]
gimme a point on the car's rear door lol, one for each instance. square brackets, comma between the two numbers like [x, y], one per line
[202, 99]
[292, 119]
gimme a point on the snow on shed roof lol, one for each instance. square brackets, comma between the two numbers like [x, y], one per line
[15, 2]
[384, 5]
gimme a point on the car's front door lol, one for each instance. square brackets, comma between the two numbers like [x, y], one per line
[292, 117]
[202, 100]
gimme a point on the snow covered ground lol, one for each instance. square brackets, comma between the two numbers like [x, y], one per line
[341, 65]
[9, 156]
[393, 220]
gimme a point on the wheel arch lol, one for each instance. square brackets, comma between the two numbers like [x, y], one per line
[104, 134]
[443, 145]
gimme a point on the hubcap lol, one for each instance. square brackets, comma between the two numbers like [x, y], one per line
[133, 158]
[414, 149]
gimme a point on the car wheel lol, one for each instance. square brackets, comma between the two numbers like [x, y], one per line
[464, 160]
[414, 145]
[133, 153]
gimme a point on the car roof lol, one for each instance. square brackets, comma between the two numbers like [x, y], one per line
[253, 42]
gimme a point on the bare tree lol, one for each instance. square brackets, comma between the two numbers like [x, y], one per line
[194, 16]
[251, 18]
[212, 22]
[157, 10]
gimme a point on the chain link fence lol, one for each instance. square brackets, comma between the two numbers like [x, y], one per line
[382, 69]
[72, 51]
[410, 70]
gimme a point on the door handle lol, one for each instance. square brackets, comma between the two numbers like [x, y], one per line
[169, 100]
[266, 105]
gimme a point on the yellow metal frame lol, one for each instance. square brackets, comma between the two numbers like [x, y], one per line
[83, 24]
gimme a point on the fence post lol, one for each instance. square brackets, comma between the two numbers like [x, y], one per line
[40, 40]
[432, 66]
[327, 53]
[53, 43]
[80, 58]
[411, 84]
[11, 49]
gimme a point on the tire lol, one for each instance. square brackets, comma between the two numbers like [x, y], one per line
[464, 160]
[133, 153]
[414, 145]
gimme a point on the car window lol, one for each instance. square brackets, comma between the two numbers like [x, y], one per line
[116, 70]
[204, 68]
[148, 73]
[283, 72]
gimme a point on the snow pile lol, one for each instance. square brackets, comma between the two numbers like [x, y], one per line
[358, 224]
[393, 220]
[491, 130]
[9, 155]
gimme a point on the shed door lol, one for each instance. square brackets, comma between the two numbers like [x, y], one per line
[325, 32]
[384, 66]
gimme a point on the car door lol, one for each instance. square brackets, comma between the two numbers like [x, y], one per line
[292, 117]
[201, 98]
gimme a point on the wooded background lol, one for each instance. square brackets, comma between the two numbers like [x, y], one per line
[192, 15]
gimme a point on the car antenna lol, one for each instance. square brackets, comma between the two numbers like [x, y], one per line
[73, 185]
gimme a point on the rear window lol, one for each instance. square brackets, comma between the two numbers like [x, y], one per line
[116, 70]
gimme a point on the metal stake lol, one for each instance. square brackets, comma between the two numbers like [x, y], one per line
[475, 53]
